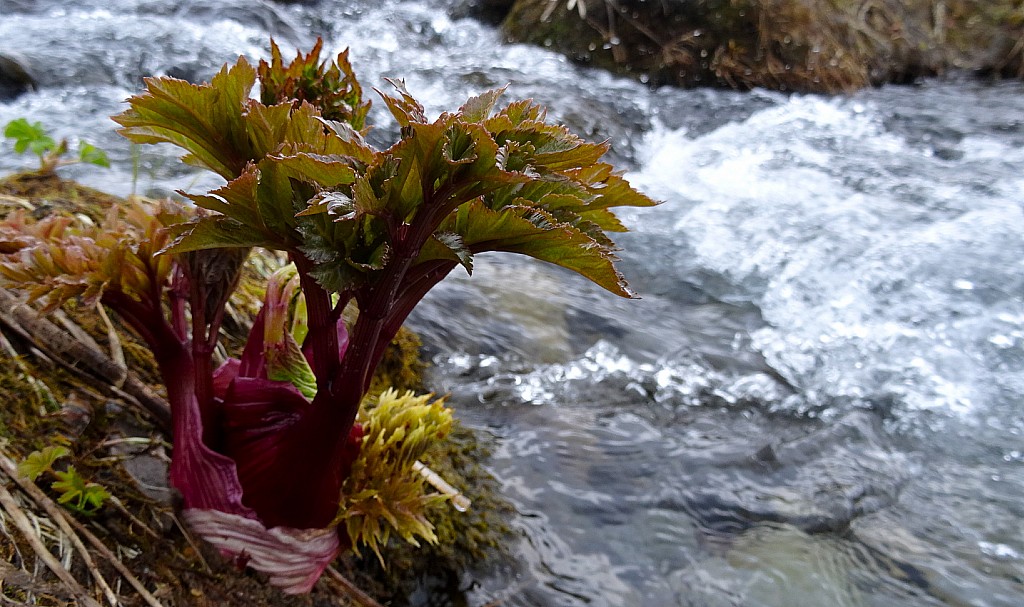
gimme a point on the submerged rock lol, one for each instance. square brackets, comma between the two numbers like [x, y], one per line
[819, 483]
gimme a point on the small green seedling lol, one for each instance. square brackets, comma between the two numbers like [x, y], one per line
[34, 138]
[76, 493]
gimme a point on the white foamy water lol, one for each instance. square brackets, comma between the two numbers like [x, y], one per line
[878, 283]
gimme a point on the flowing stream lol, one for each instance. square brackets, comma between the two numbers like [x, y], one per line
[818, 399]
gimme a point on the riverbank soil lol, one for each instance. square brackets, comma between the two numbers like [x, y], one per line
[142, 555]
[824, 46]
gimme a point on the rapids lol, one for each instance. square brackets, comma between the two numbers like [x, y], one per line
[817, 401]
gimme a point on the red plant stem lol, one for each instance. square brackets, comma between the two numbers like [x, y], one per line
[405, 302]
[314, 459]
[177, 303]
[139, 316]
[322, 334]
[201, 359]
[312, 463]
[315, 456]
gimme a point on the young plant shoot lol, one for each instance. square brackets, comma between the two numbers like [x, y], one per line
[276, 462]
[32, 137]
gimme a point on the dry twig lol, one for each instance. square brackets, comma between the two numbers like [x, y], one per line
[57, 516]
[21, 521]
[66, 524]
[68, 352]
[343, 584]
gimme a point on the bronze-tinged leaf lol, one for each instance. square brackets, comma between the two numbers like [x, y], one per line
[458, 146]
[332, 88]
[404, 108]
[478, 108]
[213, 232]
[324, 170]
[514, 114]
[267, 126]
[274, 201]
[607, 188]
[530, 231]
[456, 248]
[66, 258]
[204, 120]
[236, 199]
[374, 191]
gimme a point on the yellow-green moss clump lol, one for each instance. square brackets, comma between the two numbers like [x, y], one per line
[464, 539]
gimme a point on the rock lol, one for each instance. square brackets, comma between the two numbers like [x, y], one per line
[15, 76]
[488, 11]
[796, 45]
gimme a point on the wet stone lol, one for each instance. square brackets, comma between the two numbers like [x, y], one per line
[15, 76]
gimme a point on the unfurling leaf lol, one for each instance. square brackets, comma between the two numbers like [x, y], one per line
[60, 258]
[282, 353]
[331, 87]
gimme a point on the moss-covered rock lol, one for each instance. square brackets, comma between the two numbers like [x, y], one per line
[799, 45]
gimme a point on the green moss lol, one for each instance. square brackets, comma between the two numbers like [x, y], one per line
[26, 415]
[401, 367]
[46, 193]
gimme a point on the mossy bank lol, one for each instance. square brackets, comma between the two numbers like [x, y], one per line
[118, 445]
[794, 45]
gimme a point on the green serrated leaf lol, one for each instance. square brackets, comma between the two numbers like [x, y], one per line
[533, 232]
[478, 108]
[404, 108]
[39, 462]
[454, 243]
[274, 195]
[22, 129]
[29, 136]
[236, 199]
[337, 276]
[326, 171]
[338, 205]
